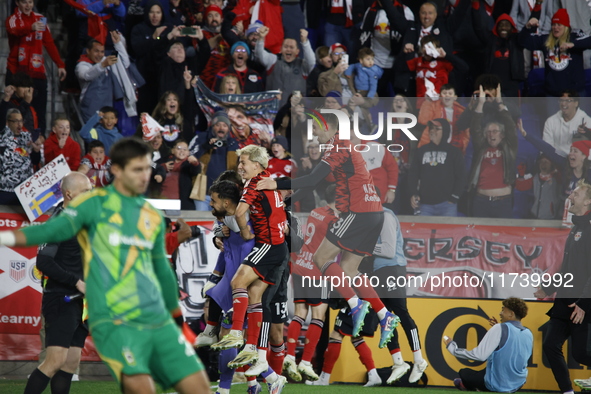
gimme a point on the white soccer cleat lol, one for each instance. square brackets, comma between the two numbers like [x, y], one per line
[290, 367]
[204, 340]
[278, 385]
[257, 368]
[323, 380]
[398, 371]
[417, 371]
[373, 379]
[306, 370]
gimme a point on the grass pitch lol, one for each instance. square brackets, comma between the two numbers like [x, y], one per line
[100, 387]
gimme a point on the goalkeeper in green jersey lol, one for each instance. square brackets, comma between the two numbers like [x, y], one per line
[131, 290]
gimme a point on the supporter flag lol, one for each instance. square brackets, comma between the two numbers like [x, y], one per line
[150, 127]
[41, 203]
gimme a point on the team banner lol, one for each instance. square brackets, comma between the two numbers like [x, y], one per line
[42, 190]
[466, 322]
[251, 115]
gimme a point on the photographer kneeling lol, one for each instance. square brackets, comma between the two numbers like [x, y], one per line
[216, 151]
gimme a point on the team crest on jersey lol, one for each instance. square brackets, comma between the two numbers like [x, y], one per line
[38, 35]
[129, 357]
[147, 224]
[252, 78]
[37, 60]
[578, 235]
[18, 270]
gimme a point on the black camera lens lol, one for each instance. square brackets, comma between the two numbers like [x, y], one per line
[219, 143]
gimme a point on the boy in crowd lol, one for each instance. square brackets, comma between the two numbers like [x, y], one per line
[96, 165]
[102, 126]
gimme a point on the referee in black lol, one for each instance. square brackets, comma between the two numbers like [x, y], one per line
[571, 313]
[64, 328]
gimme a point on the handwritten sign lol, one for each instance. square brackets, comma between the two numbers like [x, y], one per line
[42, 190]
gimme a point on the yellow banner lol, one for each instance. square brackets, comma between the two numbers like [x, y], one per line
[465, 321]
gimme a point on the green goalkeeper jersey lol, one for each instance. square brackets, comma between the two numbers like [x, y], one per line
[128, 278]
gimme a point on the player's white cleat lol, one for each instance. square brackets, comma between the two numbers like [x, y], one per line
[204, 340]
[306, 370]
[417, 371]
[277, 386]
[229, 341]
[373, 379]
[257, 368]
[290, 367]
[398, 371]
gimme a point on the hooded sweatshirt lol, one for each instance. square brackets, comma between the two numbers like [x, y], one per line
[437, 171]
[71, 151]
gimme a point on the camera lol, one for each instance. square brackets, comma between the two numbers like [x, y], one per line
[195, 231]
[219, 143]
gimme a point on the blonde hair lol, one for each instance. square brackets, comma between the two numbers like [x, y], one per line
[223, 84]
[584, 185]
[552, 42]
[255, 153]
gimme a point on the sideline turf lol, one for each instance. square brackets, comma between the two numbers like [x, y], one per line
[96, 387]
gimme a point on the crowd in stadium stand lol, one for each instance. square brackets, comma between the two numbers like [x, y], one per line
[498, 87]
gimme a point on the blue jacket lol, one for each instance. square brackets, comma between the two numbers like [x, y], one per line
[366, 78]
[93, 130]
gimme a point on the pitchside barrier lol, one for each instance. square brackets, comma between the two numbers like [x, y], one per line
[458, 271]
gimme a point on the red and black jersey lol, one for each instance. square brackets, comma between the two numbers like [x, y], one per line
[355, 188]
[315, 230]
[266, 212]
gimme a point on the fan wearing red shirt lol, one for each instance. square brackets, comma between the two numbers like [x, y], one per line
[261, 267]
[59, 142]
[355, 234]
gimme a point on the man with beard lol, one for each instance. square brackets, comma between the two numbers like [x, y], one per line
[216, 152]
[286, 72]
[220, 55]
[243, 132]
[250, 80]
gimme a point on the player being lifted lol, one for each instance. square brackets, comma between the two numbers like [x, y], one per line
[359, 225]
[259, 269]
[131, 289]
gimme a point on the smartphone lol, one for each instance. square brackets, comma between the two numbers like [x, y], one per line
[44, 21]
[115, 53]
[345, 58]
[186, 31]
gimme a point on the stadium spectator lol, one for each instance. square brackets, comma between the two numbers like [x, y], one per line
[220, 54]
[182, 167]
[365, 73]
[570, 313]
[432, 68]
[288, 72]
[97, 76]
[112, 14]
[169, 114]
[436, 178]
[569, 121]
[547, 190]
[492, 175]
[384, 25]
[102, 126]
[503, 54]
[313, 197]
[334, 79]
[563, 51]
[65, 329]
[28, 34]
[148, 40]
[446, 107]
[216, 151]
[59, 142]
[15, 161]
[96, 165]
[281, 164]
[19, 95]
[506, 348]
[323, 63]
[250, 81]
[230, 85]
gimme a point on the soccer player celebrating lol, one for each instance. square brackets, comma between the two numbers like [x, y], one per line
[261, 267]
[131, 290]
[359, 225]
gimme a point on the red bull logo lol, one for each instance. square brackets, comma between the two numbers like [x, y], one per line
[37, 61]
[382, 28]
[21, 151]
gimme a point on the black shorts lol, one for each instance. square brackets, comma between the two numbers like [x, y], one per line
[310, 294]
[63, 321]
[344, 323]
[357, 232]
[388, 287]
[265, 259]
[275, 299]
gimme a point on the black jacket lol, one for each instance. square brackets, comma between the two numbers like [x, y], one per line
[576, 264]
[61, 263]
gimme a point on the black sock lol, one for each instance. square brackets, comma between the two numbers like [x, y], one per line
[60, 383]
[37, 382]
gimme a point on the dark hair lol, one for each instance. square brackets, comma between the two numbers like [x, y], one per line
[322, 52]
[230, 175]
[448, 86]
[95, 144]
[330, 193]
[517, 305]
[571, 93]
[127, 149]
[22, 80]
[364, 52]
[430, 38]
[488, 81]
[226, 190]
[91, 43]
[107, 109]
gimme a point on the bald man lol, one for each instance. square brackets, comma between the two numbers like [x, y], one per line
[65, 332]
